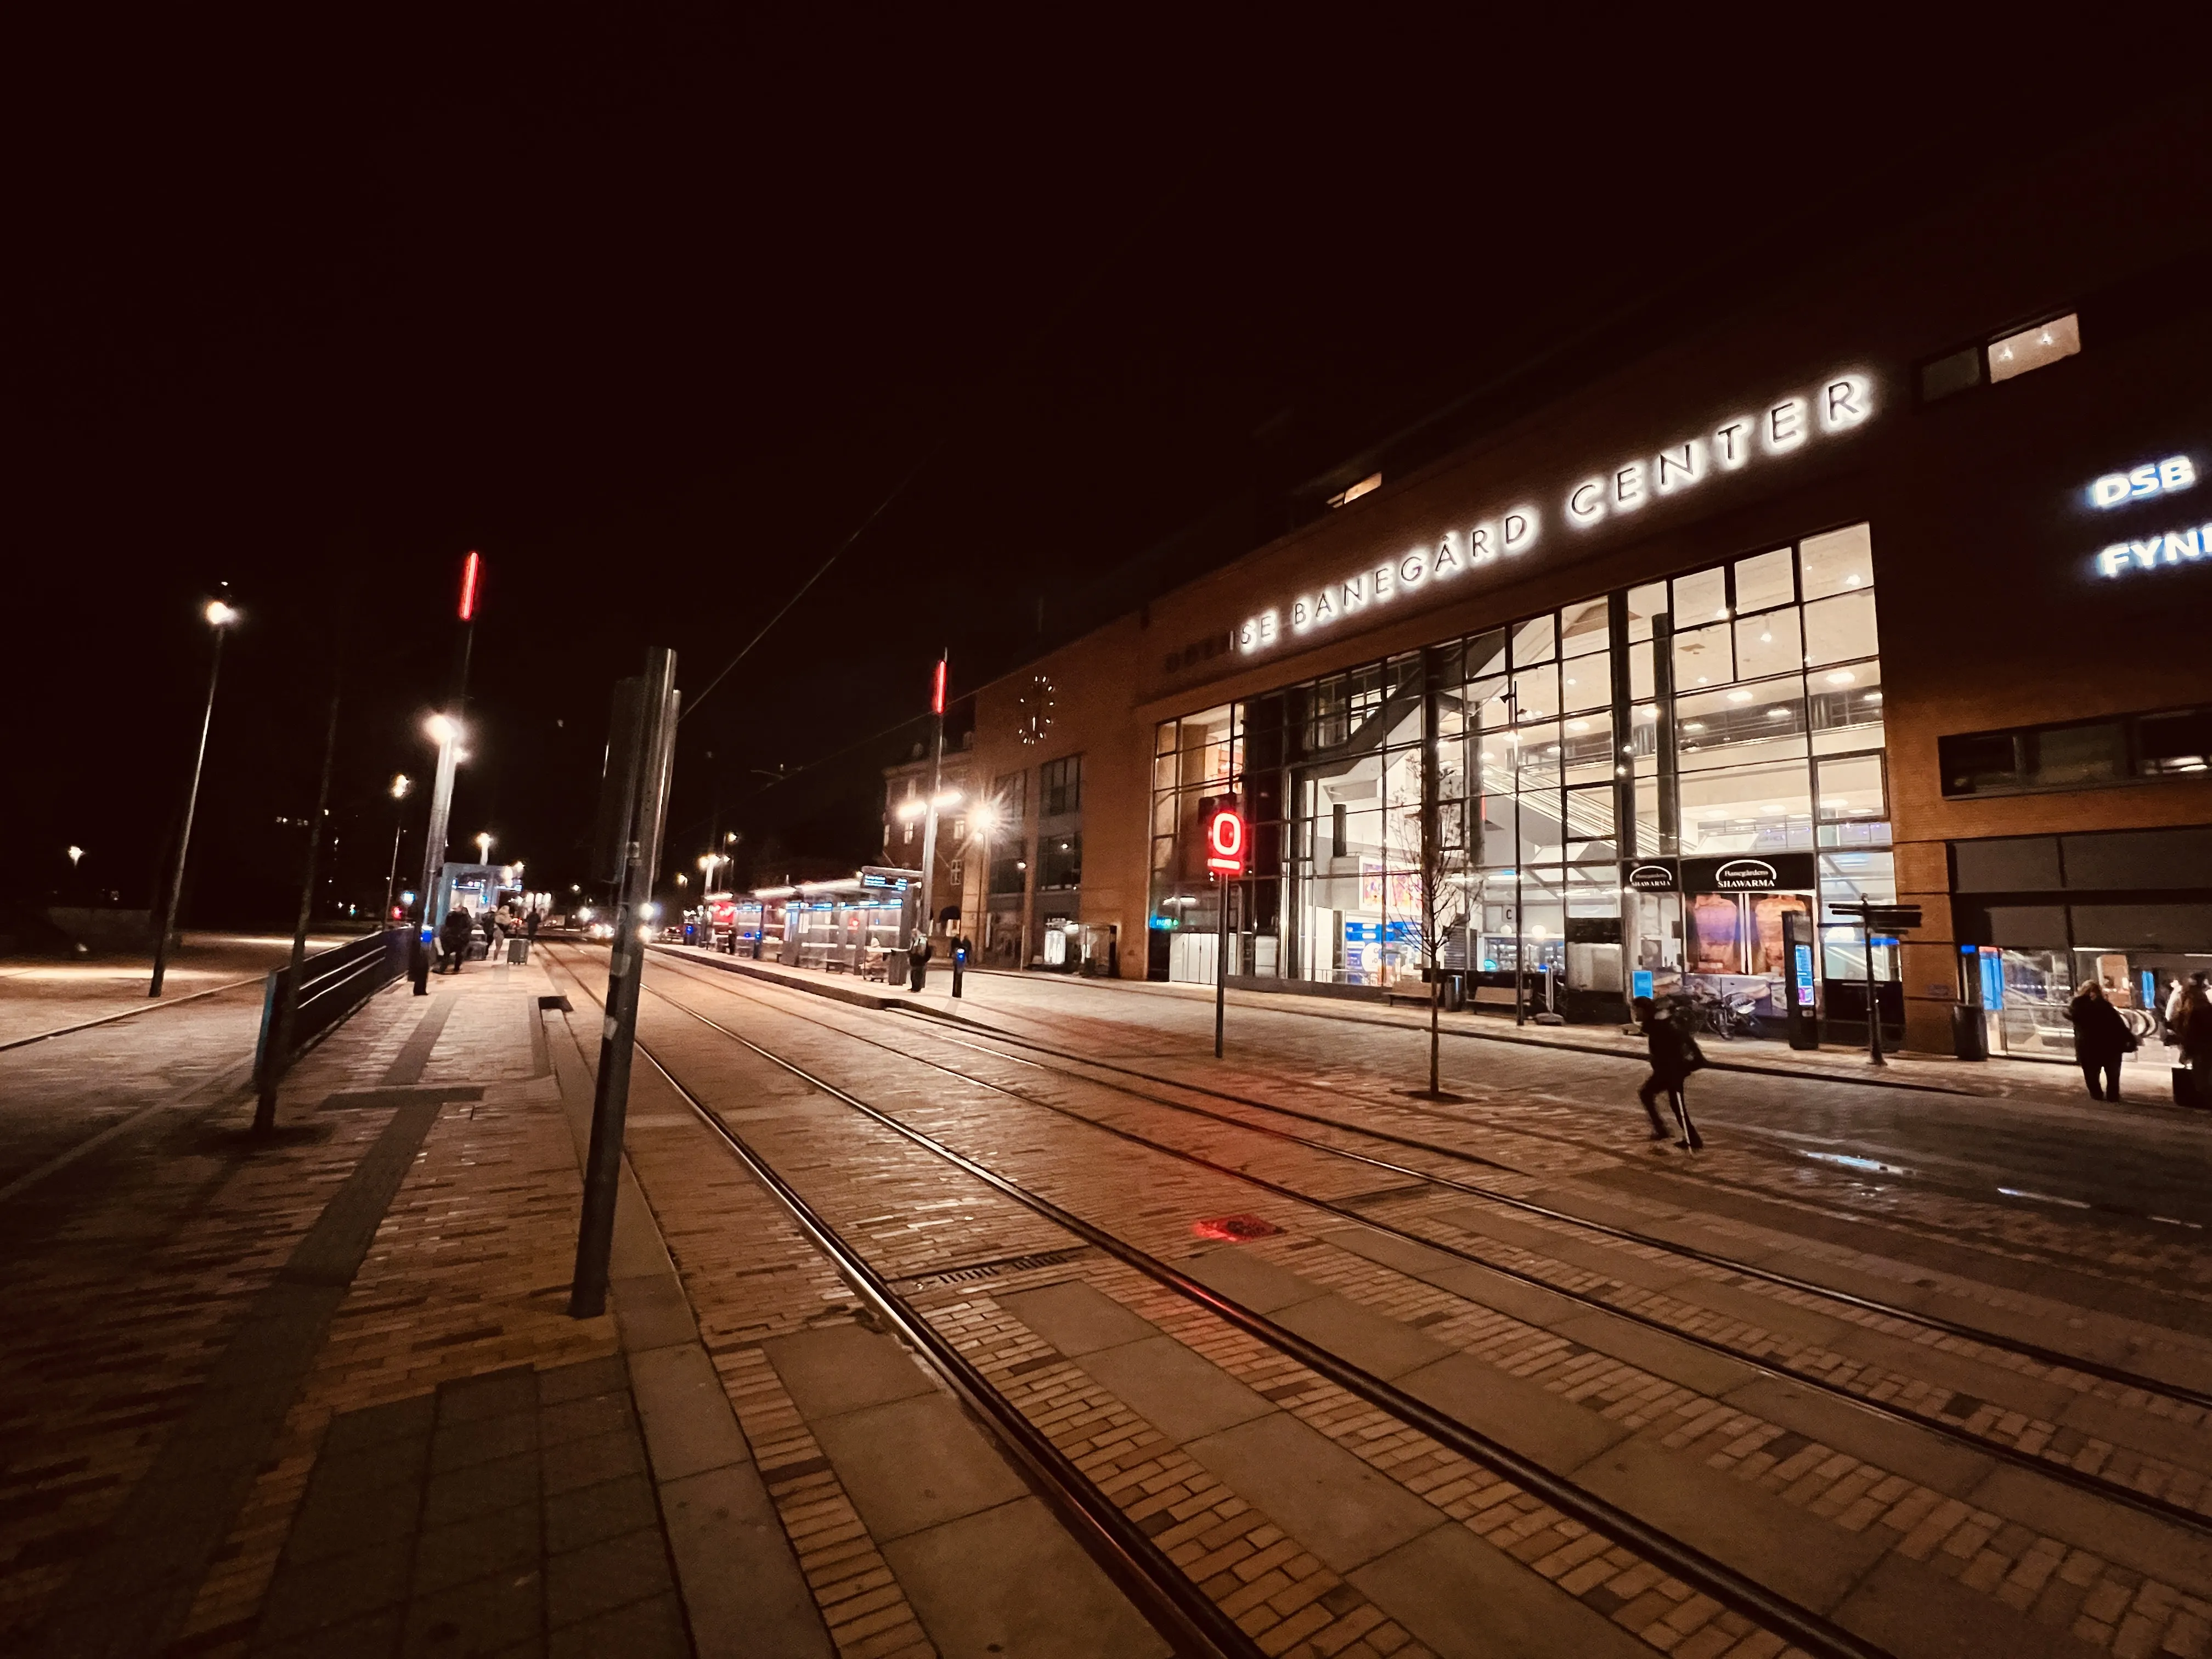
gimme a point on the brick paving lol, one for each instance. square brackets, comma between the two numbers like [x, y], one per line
[135, 1271]
[915, 1216]
[2101, 1601]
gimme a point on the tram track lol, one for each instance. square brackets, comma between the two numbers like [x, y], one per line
[1798, 1626]
[2050, 1466]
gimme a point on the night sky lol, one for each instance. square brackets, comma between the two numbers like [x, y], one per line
[655, 317]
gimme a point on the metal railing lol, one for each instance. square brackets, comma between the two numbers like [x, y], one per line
[332, 984]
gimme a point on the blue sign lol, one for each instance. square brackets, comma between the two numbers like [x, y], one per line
[1639, 983]
[1803, 975]
[1992, 979]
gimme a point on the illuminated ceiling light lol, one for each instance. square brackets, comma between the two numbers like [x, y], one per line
[1722, 612]
[1771, 808]
[1577, 726]
[1738, 696]
[1694, 725]
[1648, 712]
[1777, 713]
[1851, 581]
[1842, 676]
[1701, 679]
[1871, 696]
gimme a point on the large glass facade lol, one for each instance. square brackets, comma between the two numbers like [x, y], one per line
[1544, 808]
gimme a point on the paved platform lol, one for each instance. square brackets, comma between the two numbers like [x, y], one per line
[319, 1391]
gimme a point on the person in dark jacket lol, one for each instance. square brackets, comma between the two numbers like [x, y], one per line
[2100, 1038]
[917, 960]
[1674, 1053]
[490, 920]
[454, 934]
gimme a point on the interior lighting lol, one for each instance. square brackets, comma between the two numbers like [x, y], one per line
[1694, 725]
[1777, 713]
[1577, 726]
[1738, 696]
[1842, 676]
[1871, 696]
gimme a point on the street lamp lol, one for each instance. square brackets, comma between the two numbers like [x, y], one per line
[75, 853]
[446, 732]
[401, 786]
[484, 847]
[219, 617]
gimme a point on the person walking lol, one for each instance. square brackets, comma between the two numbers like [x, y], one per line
[454, 935]
[1674, 1055]
[490, 932]
[2100, 1038]
[2188, 1028]
[917, 960]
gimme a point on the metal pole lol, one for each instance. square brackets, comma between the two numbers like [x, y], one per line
[279, 1059]
[1221, 967]
[185, 835]
[929, 822]
[434, 835]
[1874, 1013]
[588, 1295]
[392, 875]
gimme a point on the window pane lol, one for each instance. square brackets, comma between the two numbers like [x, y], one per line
[1486, 654]
[1586, 681]
[2078, 754]
[1768, 644]
[1838, 629]
[1851, 789]
[1584, 629]
[1643, 603]
[1740, 724]
[1487, 700]
[1589, 825]
[1700, 599]
[1535, 640]
[1846, 705]
[1841, 561]
[1747, 809]
[2176, 742]
[1639, 669]
[1541, 840]
[1163, 739]
[1535, 755]
[1536, 693]
[1764, 582]
[2032, 348]
[1588, 748]
[1704, 656]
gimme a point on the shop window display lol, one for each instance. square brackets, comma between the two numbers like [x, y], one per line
[1751, 725]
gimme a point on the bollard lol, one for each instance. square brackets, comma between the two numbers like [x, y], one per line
[960, 962]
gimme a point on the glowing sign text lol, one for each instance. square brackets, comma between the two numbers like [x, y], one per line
[1781, 427]
[2174, 547]
[2152, 478]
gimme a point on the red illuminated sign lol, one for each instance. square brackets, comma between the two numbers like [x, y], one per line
[1224, 840]
[936, 692]
[469, 570]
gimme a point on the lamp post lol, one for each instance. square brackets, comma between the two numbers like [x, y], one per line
[401, 784]
[220, 616]
[484, 847]
[447, 732]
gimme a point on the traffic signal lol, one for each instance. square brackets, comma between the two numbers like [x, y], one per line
[1225, 837]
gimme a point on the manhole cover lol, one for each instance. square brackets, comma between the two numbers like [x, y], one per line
[1234, 1229]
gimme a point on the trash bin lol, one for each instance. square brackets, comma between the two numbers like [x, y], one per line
[1970, 1038]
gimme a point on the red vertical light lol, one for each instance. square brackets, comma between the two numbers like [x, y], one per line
[937, 693]
[469, 569]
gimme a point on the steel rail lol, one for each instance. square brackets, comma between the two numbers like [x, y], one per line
[2065, 1473]
[1183, 1613]
[1725, 1584]
[2027, 1350]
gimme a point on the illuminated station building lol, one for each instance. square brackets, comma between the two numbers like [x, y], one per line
[1894, 584]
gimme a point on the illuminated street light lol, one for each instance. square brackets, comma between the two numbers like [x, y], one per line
[484, 847]
[220, 615]
[75, 853]
[401, 786]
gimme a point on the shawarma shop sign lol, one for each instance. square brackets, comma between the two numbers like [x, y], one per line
[1781, 427]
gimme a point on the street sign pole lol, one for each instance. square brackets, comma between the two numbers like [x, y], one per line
[1221, 967]
[1873, 1008]
[640, 749]
[1871, 919]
